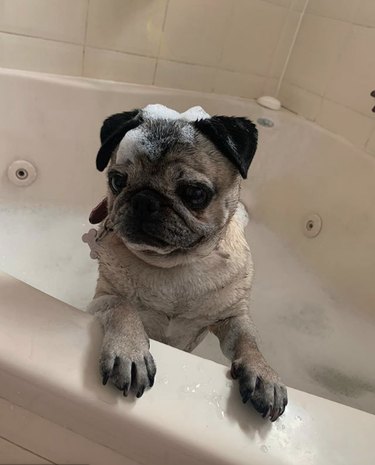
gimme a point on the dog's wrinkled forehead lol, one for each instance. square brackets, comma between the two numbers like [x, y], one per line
[155, 130]
[162, 130]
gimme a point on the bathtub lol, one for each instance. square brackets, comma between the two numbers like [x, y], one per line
[310, 197]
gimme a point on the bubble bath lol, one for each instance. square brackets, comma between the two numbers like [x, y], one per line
[303, 331]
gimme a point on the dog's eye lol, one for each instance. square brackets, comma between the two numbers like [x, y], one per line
[196, 197]
[117, 182]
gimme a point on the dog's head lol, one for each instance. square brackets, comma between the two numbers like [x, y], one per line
[173, 179]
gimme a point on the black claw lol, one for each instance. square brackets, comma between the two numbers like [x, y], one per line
[105, 379]
[245, 396]
[126, 390]
[133, 373]
[140, 392]
[151, 369]
[275, 414]
[267, 412]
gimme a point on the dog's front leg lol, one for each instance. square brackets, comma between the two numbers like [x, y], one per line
[125, 357]
[258, 382]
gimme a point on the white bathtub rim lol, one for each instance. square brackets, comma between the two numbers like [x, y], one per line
[182, 426]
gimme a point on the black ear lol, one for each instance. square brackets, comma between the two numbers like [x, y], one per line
[235, 137]
[113, 130]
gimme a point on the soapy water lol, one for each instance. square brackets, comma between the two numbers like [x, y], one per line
[213, 398]
[315, 342]
[42, 246]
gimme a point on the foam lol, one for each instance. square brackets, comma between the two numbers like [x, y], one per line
[139, 140]
[131, 143]
[157, 111]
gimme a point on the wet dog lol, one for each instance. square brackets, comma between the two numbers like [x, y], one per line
[173, 259]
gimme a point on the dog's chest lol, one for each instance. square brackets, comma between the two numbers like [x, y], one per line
[176, 305]
[178, 292]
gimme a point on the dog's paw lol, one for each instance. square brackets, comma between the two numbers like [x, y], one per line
[260, 384]
[128, 369]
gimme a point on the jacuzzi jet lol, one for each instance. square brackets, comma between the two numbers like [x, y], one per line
[22, 173]
[312, 225]
[265, 122]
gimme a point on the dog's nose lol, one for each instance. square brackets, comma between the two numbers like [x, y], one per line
[146, 203]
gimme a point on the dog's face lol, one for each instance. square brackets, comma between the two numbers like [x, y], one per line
[171, 192]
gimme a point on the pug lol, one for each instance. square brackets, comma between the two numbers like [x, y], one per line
[174, 263]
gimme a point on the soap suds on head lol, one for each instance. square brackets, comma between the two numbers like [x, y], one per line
[162, 129]
[157, 111]
[194, 114]
[130, 145]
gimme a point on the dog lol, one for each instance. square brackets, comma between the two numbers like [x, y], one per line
[174, 263]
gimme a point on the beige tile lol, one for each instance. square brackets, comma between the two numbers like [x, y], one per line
[194, 30]
[239, 84]
[184, 76]
[126, 25]
[343, 10]
[40, 55]
[284, 44]
[284, 3]
[354, 75]
[252, 36]
[316, 51]
[118, 66]
[366, 13]
[49, 19]
[370, 147]
[300, 101]
[270, 87]
[355, 127]
[299, 5]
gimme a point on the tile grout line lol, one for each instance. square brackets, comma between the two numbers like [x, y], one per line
[134, 54]
[26, 450]
[275, 53]
[323, 98]
[160, 41]
[294, 40]
[367, 149]
[85, 39]
[59, 41]
[219, 67]
[338, 57]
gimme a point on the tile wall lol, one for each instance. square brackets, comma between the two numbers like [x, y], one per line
[331, 71]
[235, 47]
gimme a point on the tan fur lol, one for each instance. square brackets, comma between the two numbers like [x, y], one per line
[175, 295]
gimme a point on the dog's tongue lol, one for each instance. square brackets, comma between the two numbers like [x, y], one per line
[99, 212]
